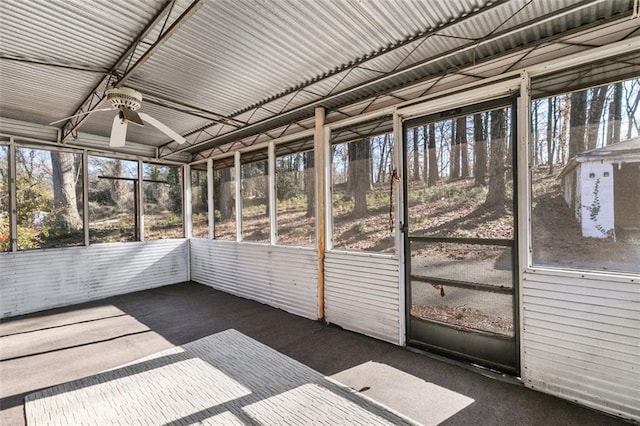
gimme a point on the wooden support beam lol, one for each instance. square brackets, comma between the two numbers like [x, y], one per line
[321, 188]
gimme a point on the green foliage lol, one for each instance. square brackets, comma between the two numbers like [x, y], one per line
[5, 240]
[287, 185]
[358, 227]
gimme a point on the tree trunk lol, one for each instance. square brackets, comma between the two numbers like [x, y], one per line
[433, 159]
[578, 117]
[425, 150]
[550, 133]
[598, 96]
[480, 144]
[454, 166]
[309, 182]
[496, 193]
[120, 193]
[64, 190]
[264, 187]
[416, 156]
[564, 124]
[617, 112]
[632, 107]
[461, 136]
[227, 201]
[535, 135]
[359, 154]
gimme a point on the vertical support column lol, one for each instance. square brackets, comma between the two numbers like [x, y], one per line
[523, 193]
[210, 206]
[238, 196]
[321, 188]
[186, 202]
[85, 196]
[398, 213]
[273, 225]
[13, 205]
[140, 195]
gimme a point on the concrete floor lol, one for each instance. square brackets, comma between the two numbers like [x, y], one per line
[56, 346]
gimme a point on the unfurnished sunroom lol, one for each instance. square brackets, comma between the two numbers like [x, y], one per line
[419, 172]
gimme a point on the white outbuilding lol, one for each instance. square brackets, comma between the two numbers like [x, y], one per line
[600, 187]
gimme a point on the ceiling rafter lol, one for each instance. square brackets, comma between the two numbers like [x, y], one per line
[97, 95]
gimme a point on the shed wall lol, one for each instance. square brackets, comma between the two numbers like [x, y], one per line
[362, 293]
[581, 339]
[596, 199]
[279, 276]
[36, 280]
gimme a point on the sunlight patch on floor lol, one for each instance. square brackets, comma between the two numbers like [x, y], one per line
[422, 401]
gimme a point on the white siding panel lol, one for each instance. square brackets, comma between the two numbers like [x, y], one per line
[279, 276]
[362, 294]
[581, 338]
[35, 280]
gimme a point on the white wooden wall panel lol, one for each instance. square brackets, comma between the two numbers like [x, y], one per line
[362, 293]
[35, 280]
[279, 276]
[581, 339]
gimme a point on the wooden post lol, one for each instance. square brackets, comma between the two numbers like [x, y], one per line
[321, 187]
[210, 206]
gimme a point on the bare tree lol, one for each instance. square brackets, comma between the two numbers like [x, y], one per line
[551, 125]
[632, 106]
[615, 115]
[578, 117]
[425, 150]
[433, 159]
[480, 144]
[309, 182]
[598, 96]
[358, 180]
[461, 136]
[496, 195]
[535, 133]
[227, 203]
[64, 190]
[454, 165]
[416, 156]
[564, 125]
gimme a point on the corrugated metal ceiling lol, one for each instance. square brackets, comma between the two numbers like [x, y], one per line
[268, 63]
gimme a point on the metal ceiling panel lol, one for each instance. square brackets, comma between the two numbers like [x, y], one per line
[78, 33]
[251, 59]
[275, 47]
[41, 94]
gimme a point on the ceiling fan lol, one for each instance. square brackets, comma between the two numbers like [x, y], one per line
[127, 101]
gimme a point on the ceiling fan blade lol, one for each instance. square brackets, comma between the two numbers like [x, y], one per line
[131, 116]
[79, 115]
[163, 128]
[118, 132]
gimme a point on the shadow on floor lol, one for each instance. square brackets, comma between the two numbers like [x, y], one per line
[61, 345]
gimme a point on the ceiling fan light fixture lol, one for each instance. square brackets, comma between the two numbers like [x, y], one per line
[124, 97]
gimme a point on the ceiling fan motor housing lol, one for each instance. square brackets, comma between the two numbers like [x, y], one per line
[124, 96]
